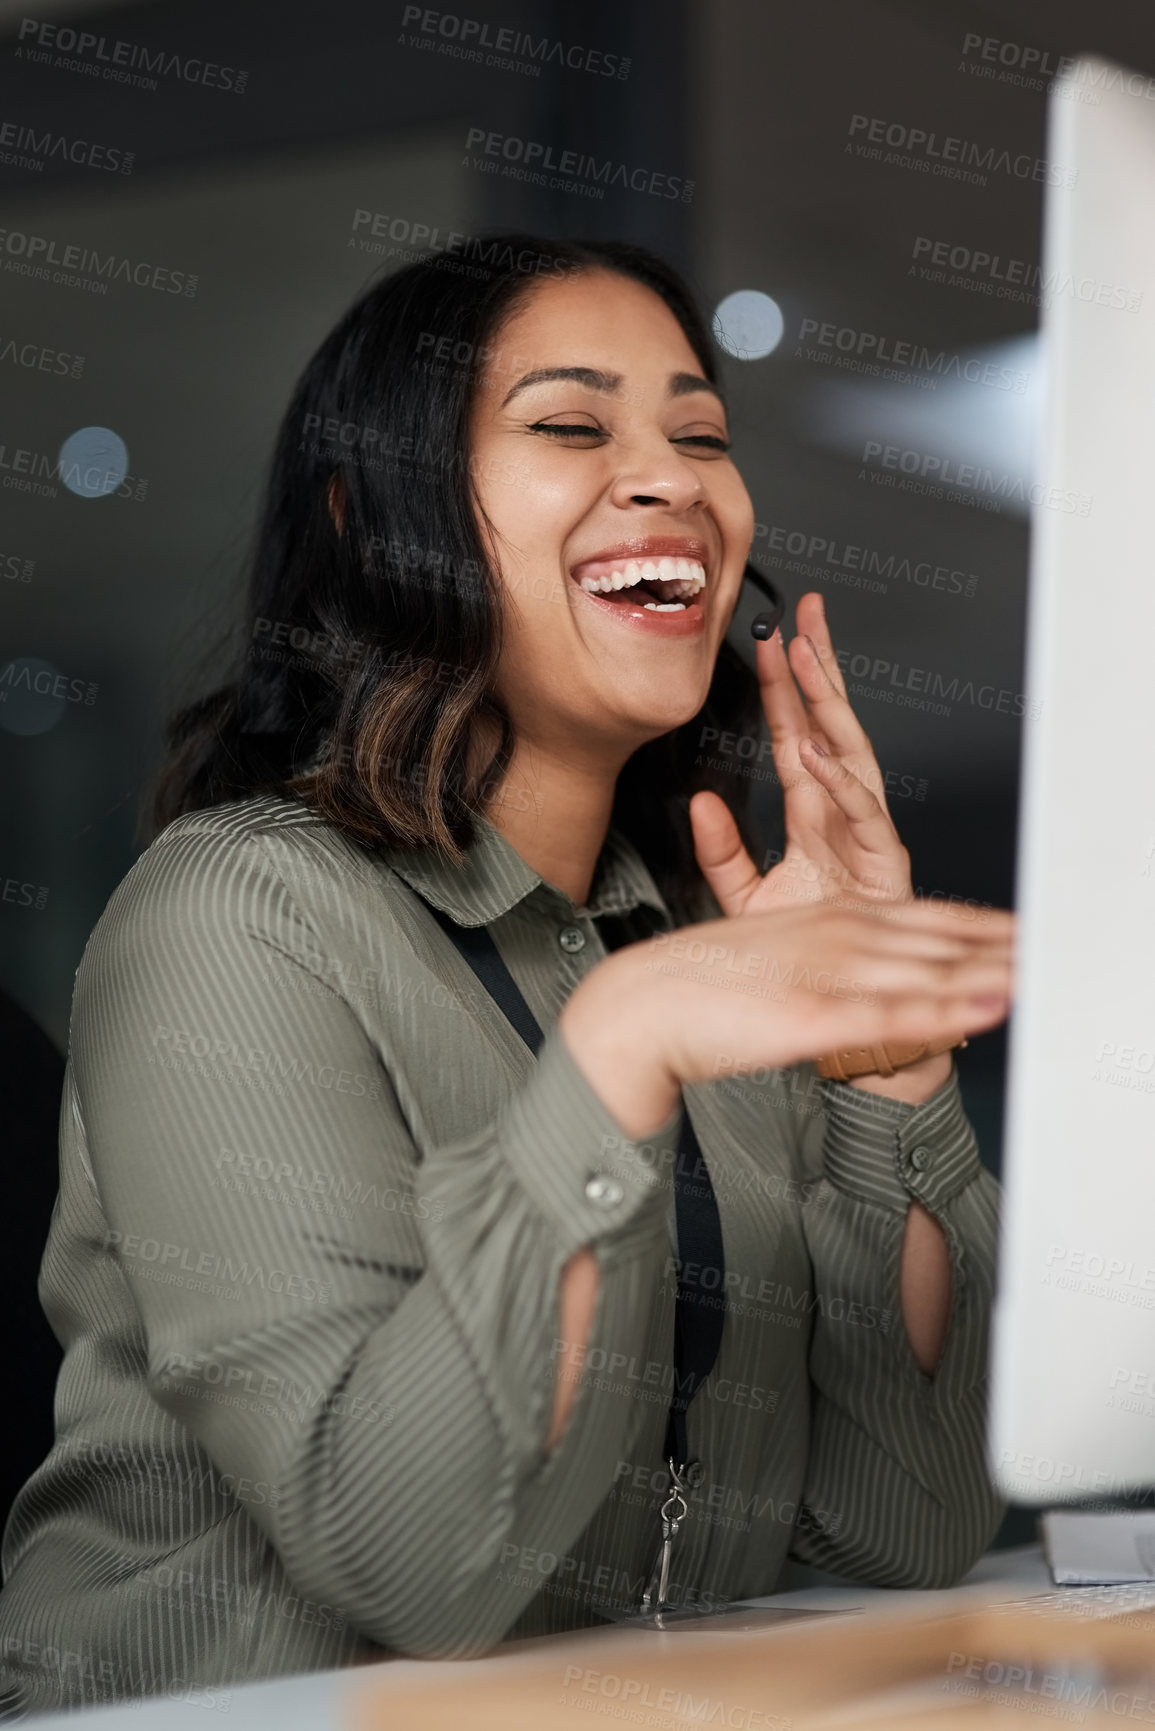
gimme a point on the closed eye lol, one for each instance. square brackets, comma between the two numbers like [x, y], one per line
[708, 441]
[568, 430]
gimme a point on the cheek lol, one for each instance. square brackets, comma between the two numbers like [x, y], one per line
[531, 524]
[558, 484]
[536, 665]
[734, 509]
[537, 508]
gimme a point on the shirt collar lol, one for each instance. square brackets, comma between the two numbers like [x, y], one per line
[494, 878]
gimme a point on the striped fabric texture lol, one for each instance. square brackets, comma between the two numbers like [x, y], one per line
[315, 1200]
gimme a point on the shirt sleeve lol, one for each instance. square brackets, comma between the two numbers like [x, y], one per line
[897, 1458]
[390, 1364]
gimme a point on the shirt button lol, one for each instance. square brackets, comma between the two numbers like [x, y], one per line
[920, 1158]
[572, 939]
[606, 1192]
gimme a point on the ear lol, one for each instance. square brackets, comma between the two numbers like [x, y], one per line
[336, 497]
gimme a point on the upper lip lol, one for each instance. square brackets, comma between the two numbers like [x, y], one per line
[648, 547]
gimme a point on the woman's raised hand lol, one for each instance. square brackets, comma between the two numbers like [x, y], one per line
[841, 845]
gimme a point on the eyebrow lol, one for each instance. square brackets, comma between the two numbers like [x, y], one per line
[681, 384]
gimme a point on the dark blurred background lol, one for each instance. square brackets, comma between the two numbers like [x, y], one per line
[258, 131]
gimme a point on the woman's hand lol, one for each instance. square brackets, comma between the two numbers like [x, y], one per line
[772, 989]
[841, 845]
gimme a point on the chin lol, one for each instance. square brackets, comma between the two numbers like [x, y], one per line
[664, 715]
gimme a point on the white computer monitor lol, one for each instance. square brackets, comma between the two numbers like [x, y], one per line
[1073, 1378]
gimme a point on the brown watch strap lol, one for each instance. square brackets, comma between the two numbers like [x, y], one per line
[878, 1060]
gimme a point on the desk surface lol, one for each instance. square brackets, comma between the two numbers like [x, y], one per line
[322, 1699]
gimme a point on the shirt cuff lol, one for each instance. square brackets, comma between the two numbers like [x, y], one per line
[892, 1153]
[574, 1160]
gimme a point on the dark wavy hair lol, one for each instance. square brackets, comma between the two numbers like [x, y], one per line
[373, 623]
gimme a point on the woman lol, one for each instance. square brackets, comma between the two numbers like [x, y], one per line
[369, 1318]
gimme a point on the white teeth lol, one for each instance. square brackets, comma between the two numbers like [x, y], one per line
[685, 577]
[664, 606]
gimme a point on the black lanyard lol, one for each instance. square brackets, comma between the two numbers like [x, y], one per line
[699, 1312]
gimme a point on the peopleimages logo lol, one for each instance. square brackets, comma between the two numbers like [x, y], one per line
[827, 556]
[674, 1705]
[37, 358]
[874, 350]
[1022, 63]
[881, 673]
[509, 50]
[946, 474]
[33, 254]
[27, 148]
[27, 471]
[528, 159]
[425, 238]
[992, 274]
[230, 1059]
[18, 676]
[943, 154]
[120, 61]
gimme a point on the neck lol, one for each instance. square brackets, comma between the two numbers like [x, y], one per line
[555, 811]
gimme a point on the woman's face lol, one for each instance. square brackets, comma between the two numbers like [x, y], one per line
[597, 449]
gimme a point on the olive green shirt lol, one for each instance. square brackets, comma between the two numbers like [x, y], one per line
[316, 1195]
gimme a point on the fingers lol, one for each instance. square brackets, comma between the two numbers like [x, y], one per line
[810, 615]
[934, 1018]
[829, 707]
[869, 820]
[816, 1025]
[821, 709]
[912, 1019]
[946, 919]
[939, 947]
[724, 861]
[926, 952]
[782, 987]
[935, 955]
[895, 978]
[781, 703]
[896, 999]
[919, 926]
[939, 930]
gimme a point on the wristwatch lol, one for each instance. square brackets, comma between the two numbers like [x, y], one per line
[878, 1060]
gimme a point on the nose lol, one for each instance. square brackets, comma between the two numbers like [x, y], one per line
[653, 472]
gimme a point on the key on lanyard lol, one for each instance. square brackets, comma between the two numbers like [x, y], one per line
[674, 1511]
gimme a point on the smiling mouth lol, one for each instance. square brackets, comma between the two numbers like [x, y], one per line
[670, 583]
